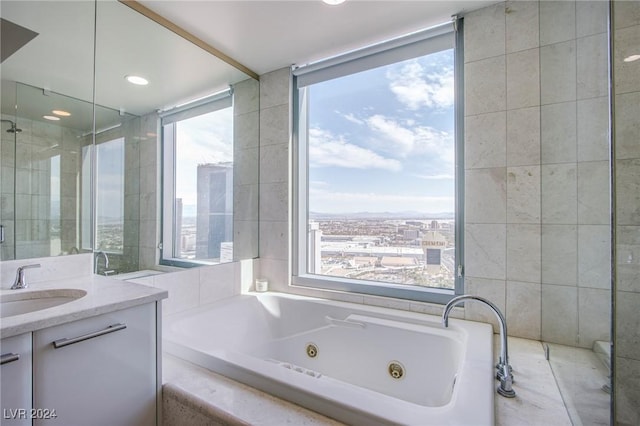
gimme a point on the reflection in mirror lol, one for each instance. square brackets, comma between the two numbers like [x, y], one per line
[133, 230]
[198, 207]
[42, 162]
[116, 185]
[65, 190]
[47, 120]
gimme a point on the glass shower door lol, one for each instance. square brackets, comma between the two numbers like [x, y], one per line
[575, 203]
[8, 136]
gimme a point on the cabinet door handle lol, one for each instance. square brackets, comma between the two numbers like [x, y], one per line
[61, 343]
[8, 357]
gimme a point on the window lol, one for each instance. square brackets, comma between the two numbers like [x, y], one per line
[198, 182]
[110, 196]
[377, 201]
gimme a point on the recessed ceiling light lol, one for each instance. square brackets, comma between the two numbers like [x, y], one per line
[51, 117]
[333, 2]
[136, 79]
[632, 58]
[61, 112]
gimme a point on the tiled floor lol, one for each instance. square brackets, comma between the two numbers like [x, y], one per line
[581, 375]
[538, 401]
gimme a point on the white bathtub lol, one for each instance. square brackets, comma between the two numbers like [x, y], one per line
[264, 340]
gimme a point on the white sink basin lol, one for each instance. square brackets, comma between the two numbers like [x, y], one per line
[22, 302]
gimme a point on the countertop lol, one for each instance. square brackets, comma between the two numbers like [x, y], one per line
[104, 295]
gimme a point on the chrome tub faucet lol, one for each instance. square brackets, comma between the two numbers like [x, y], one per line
[106, 262]
[504, 373]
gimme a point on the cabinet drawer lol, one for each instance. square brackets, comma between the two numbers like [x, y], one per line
[15, 375]
[99, 370]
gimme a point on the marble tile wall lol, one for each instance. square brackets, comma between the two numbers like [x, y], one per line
[626, 38]
[536, 166]
[131, 228]
[275, 188]
[575, 173]
[149, 196]
[246, 122]
[193, 287]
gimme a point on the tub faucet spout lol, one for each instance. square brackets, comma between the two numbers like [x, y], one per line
[504, 373]
[96, 269]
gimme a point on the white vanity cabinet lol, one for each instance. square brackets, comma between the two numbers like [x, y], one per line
[97, 371]
[15, 376]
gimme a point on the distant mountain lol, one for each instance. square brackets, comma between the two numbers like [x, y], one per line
[110, 220]
[382, 215]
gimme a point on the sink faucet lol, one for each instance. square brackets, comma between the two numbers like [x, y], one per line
[504, 373]
[20, 281]
[106, 261]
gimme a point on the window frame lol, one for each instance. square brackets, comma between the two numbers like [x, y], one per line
[392, 51]
[168, 118]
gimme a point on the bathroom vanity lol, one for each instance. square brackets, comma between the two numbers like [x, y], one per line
[92, 359]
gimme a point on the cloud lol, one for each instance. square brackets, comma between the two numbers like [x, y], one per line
[435, 177]
[402, 138]
[207, 138]
[203, 139]
[352, 118]
[408, 139]
[326, 149]
[415, 86]
[318, 184]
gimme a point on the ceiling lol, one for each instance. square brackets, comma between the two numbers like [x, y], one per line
[268, 35]
[60, 60]
[262, 35]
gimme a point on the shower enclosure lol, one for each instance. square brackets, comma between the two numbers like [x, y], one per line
[625, 86]
[47, 176]
[41, 179]
[599, 53]
[552, 128]
[575, 194]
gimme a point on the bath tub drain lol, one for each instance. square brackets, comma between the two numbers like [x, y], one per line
[396, 370]
[312, 350]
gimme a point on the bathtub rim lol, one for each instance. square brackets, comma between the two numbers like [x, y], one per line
[292, 387]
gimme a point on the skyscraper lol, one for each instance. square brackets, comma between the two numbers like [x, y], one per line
[215, 209]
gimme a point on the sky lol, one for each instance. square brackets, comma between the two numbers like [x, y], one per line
[110, 179]
[203, 139]
[383, 140]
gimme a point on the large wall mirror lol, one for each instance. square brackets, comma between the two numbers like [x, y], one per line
[84, 160]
